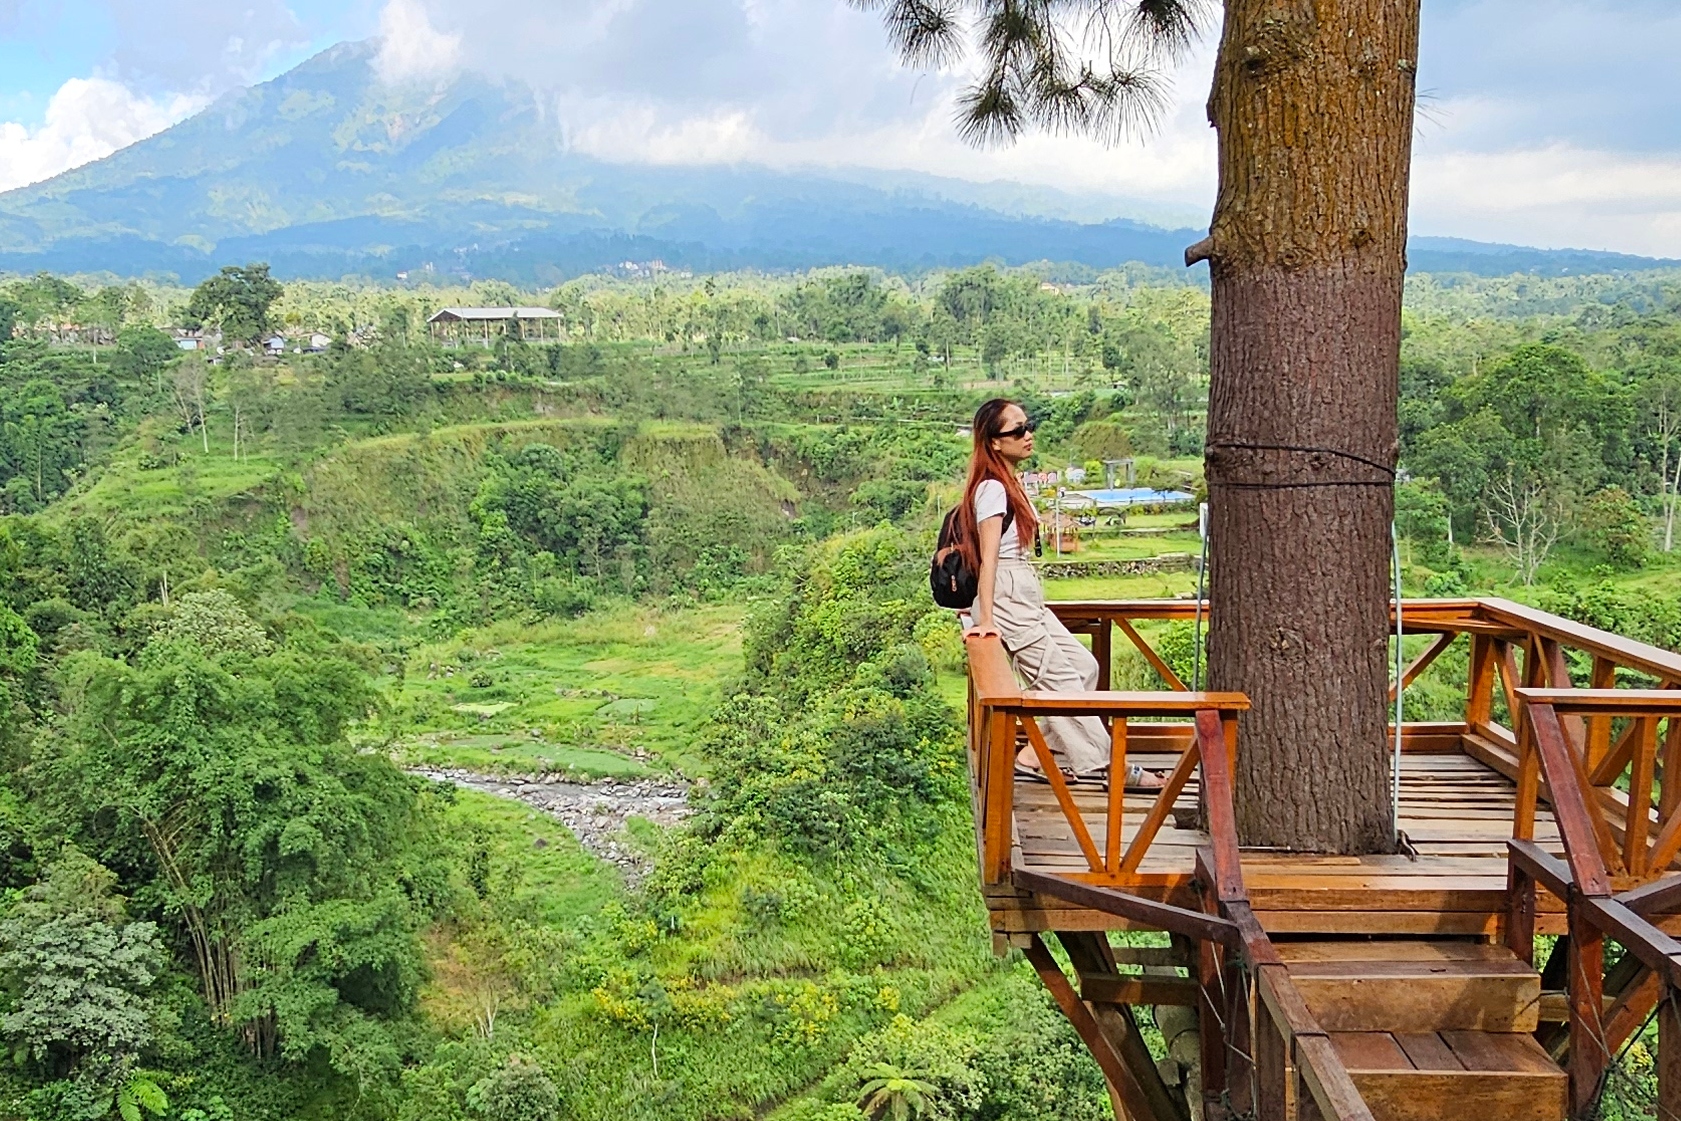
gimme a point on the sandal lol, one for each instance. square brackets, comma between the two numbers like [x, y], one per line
[1035, 774]
[1135, 781]
[1098, 777]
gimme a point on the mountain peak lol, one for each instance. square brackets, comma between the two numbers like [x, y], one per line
[326, 171]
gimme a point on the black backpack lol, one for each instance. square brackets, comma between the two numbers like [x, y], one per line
[954, 583]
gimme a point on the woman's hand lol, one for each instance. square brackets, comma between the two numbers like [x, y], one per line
[981, 630]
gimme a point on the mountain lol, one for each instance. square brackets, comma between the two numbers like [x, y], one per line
[325, 171]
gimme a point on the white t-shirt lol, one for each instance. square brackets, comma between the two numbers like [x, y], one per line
[992, 502]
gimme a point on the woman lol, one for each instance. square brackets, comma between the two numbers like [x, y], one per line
[1010, 603]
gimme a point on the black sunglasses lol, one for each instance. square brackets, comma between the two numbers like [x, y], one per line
[1017, 432]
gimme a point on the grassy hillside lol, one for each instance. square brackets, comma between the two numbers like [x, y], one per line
[678, 548]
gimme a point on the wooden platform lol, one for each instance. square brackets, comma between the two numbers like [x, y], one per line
[1456, 811]
[1400, 987]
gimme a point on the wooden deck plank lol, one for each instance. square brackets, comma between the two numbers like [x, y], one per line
[1370, 1050]
[1509, 1051]
[1455, 809]
[1428, 1051]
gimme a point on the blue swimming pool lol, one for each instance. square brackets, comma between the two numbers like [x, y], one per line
[1136, 496]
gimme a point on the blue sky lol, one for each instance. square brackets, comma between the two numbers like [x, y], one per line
[1545, 122]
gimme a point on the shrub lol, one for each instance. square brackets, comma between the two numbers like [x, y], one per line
[1617, 528]
[520, 1091]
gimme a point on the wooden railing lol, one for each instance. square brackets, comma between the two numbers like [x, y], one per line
[1258, 1035]
[1252, 1011]
[1606, 847]
[999, 708]
[1588, 721]
[1510, 648]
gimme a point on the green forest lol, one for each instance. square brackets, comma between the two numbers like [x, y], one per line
[295, 642]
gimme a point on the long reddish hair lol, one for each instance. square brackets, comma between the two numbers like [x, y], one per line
[986, 463]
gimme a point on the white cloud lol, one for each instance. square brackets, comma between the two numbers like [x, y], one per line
[1555, 196]
[1174, 167]
[86, 120]
[410, 47]
[792, 84]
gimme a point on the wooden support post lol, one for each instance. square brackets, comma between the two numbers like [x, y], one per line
[1089, 953]
[1211, 1013]
[1240, 1072]
[999, 759]
[1102, 649]
[1638, 820]
[1116, 819]
[1212, 1009]
[1529, 764]
[1274, 1093]
[1588, 1053]
[1669, 1055]
[1479, 698]
[1121, 1081]
[1670, 799]
[1599, 727]
[1520, 913]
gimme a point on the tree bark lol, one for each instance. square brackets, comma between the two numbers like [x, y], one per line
[1313, 101]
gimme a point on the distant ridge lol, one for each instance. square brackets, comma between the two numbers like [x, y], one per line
[1454, 254]
[324, 172]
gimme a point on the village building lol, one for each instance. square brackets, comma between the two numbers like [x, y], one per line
[483, 324]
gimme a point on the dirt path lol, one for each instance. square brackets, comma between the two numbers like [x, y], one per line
[595, 812]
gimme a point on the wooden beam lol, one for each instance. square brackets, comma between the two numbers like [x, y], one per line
[1115, 816]
[998, 758]
[1161, 916]
[1275, 1074]
[1227, 865]
[1089, 952]
[1138, 988]
[1546, 869]
[1479, 699]
[1669, 1055]
[1159, 809]
[1520, 913]
[1612, 765]
[1660, 897]
[1640, 656]
[1611, 914]
[1163, 670]
[1065, 799]
[1639, 937]
[1114, 1069]
[1327, 1080]
[1150, 956]
[1422, 662]
[1102, 648]
[1627, 1012]
[1588, 1053]
[1587, 839]
[1125, 704]
[989, 670]
[1609, 702]
[1643, 731]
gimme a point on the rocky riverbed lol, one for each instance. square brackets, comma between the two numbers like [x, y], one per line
[595, 812]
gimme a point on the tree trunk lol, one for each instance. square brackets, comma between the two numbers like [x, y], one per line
[1313, 100]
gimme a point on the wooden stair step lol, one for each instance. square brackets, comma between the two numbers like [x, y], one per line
[1428, 1076]
[1414, 986]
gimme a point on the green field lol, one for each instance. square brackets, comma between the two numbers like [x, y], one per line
[621, 691]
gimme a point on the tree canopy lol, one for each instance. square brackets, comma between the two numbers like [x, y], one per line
[237, 300]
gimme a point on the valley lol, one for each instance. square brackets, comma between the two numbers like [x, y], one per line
[570, 725]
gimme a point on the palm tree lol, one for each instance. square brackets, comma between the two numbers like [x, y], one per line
[890, 1092]
[1313, 105]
